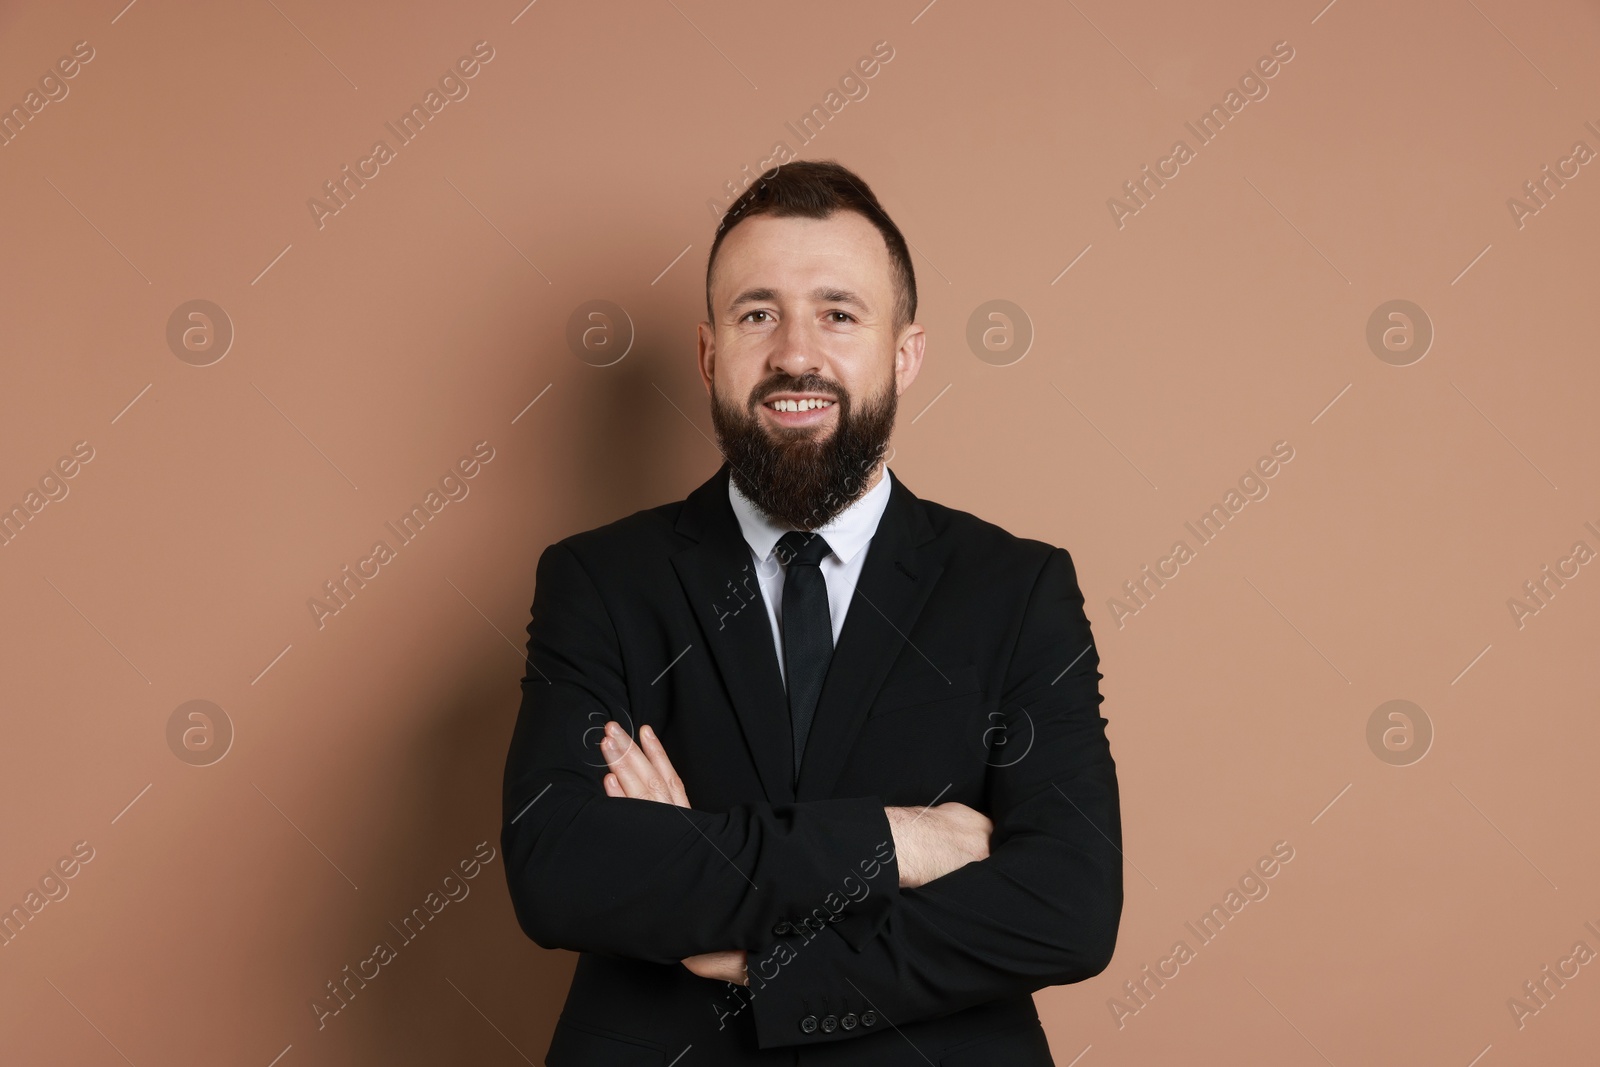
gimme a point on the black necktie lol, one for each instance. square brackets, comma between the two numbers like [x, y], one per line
[807, 630]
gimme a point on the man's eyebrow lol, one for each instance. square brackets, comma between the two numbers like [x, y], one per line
[753, 296]
[822, 294]
[828, 295]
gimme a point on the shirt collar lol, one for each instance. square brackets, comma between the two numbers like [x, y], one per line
[847, 533]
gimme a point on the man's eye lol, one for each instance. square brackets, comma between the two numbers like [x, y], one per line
[749, 313]
[846, 314]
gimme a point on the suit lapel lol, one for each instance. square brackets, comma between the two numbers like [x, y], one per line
[896, 579]
[717, 575]
[725, 597]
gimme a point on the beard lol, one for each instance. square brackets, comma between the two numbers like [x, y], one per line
[798, 478]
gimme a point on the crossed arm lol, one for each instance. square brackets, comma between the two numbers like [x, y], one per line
[929, 842]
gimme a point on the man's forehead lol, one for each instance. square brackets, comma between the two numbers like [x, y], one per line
[794, 256]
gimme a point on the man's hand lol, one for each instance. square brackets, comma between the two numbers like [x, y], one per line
[723, 966]
[643, 772]
[931, 842]
[640, 771]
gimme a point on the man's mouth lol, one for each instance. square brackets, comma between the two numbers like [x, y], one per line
[799, 405]
[805, 411]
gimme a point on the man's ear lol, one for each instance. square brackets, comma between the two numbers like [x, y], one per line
[706, 358]
[908, 357]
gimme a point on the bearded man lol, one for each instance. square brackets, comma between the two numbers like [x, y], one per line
[809, 769]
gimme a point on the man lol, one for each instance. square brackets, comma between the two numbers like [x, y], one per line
[809, 769]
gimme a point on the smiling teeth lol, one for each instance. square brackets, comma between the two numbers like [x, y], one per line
[798, 405]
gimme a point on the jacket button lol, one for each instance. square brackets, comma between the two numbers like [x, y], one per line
[808, 1025]
[868, 1018]
[782, 928]
[849, 1021]
[830, 1023]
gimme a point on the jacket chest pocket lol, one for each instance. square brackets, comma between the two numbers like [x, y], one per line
[926, 736]
[929, 691]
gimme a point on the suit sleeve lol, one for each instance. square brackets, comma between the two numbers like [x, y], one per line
[1042, 909]
[639, 878]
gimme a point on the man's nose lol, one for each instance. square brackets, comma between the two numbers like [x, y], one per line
[796, 350]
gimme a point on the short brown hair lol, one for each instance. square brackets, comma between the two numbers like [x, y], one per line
[815, 189]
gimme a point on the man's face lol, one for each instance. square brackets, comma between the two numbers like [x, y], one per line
[803, 310]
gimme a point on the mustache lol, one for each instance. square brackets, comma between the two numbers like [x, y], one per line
[806, 383]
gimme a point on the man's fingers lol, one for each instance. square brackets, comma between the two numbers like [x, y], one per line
[638, 777]
[657, 754]
[625, 760]
[617, 753]
[616, 746]
[641, 771]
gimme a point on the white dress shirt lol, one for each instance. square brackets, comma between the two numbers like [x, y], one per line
[848, 535]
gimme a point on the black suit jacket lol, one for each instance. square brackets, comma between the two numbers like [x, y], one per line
[965, 671]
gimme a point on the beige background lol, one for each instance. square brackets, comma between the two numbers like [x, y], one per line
[370, 354]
